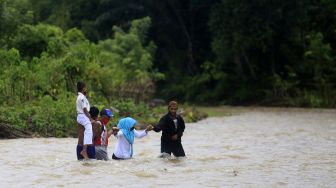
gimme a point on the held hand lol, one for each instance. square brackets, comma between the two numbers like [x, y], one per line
[174, 137]
[149, 127]
[115, 130]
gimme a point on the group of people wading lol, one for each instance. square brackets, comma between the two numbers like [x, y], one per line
[93, 134]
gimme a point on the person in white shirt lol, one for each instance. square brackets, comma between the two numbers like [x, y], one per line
[125, 138]
[83, 117]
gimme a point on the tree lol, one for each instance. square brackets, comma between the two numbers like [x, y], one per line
[179, 28]
[13, 13]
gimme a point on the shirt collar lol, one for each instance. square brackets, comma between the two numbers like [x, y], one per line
[79, 93]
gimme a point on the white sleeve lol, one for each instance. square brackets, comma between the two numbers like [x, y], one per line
[119, 134]
[82, 103]
[79, 104]
[140, 134]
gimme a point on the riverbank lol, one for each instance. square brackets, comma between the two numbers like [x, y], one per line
[20, 124]
[8, 131]
[190, 114]
[222, 111]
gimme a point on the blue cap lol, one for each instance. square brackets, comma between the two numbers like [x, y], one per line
[109, 113]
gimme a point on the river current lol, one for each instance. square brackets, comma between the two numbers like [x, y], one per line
[257, 147]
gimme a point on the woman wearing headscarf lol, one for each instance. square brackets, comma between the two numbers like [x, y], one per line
[125, 138]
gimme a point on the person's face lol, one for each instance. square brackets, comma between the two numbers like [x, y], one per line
[85, 91]
[172, 110]
[105, 120]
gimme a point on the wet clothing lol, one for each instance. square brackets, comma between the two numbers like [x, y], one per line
[102, 139]
[170, 127]
[123, 149]
[116, 158]
[101, 143]
[125, 138]
[172, 147]
[101, 153]
[82, 119]
[90, 151]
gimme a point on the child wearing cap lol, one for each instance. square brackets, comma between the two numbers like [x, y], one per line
[102, 135]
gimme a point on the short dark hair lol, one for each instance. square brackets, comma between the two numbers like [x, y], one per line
[172, 103]
[80, 86]
[103, 112]
[94, 111]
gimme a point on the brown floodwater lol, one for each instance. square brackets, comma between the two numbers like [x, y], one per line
[258, 147]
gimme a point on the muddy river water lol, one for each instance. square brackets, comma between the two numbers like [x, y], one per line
[257, 147]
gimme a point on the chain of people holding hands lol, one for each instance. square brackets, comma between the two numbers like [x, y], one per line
[93, 135]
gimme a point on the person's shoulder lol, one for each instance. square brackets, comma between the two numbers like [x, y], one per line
[120, 133]
[97, 123]
[179, 117]
[80, 97]
[166, 116]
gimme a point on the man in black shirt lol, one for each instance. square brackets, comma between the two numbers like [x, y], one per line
[172, 126]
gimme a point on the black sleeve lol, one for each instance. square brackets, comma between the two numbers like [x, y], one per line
[181, 128]
[158, 127]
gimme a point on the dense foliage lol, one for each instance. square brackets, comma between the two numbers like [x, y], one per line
[40, 65]
[274, 52]
[241, 52]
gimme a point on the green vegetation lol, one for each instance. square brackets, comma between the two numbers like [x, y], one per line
[274, 53]
[42, 63]
[214, 111]
[220, 111]
[215, 52]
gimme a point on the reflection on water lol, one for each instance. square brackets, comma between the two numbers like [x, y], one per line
[260, 147]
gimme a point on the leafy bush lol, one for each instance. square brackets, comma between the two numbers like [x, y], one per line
[38, 86]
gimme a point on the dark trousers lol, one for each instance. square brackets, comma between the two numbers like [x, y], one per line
[172, 147]
[116, 158]
[90, 151]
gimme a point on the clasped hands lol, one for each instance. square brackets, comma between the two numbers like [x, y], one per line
[149, 127]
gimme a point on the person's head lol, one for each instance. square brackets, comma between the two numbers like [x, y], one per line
[94, 111]
[127, 124]
[105, 115]
[172, 108]
[81, 87]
